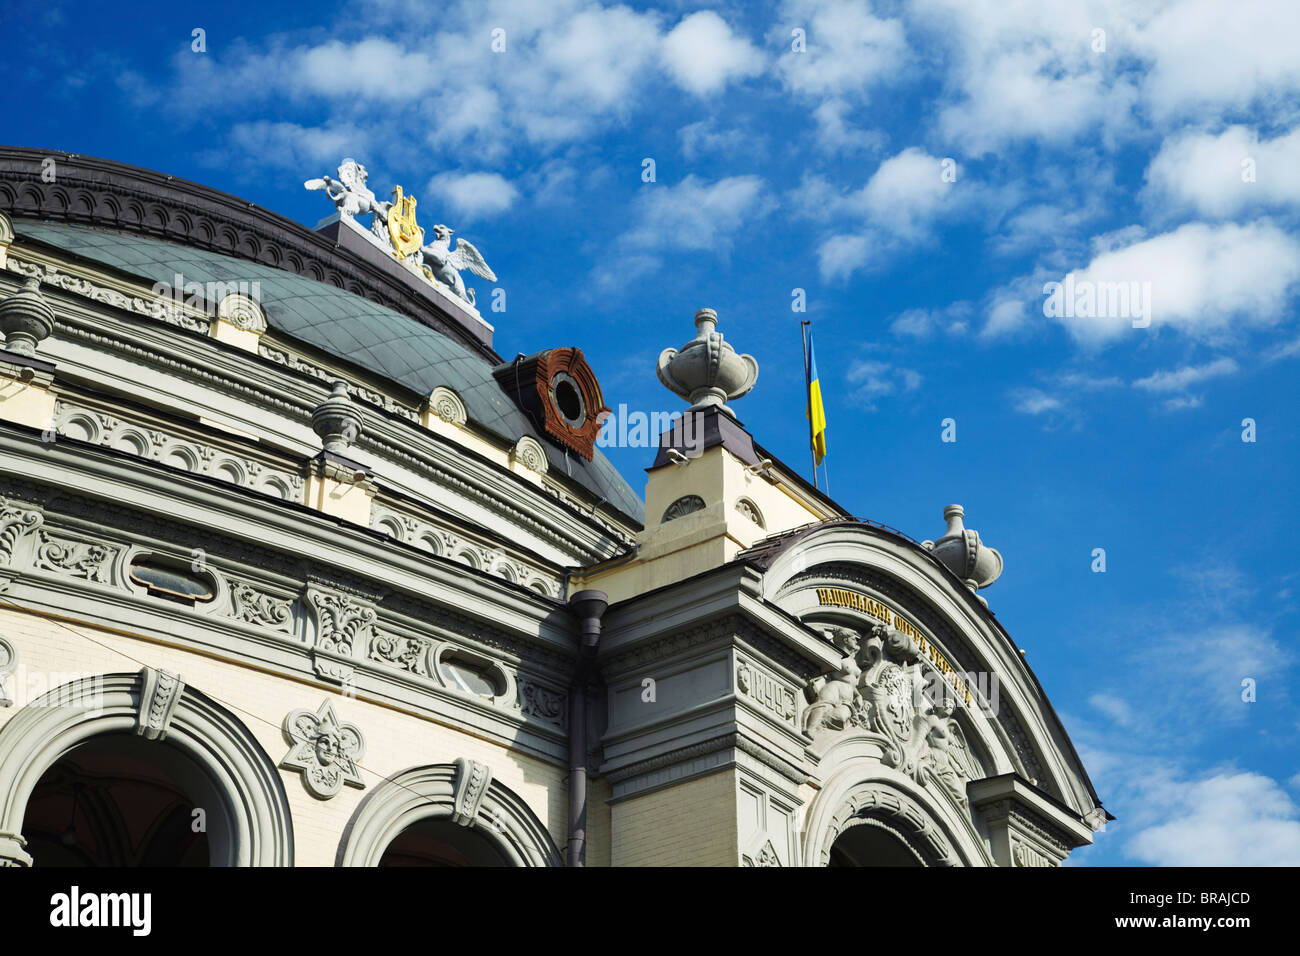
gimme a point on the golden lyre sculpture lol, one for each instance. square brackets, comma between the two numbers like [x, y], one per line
[407, 237]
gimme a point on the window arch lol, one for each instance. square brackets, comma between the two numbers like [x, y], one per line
[461, 793]
[255, 828]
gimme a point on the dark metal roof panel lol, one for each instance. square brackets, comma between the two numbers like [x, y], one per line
[347, 326]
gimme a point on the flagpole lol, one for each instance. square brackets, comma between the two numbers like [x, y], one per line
[807, 387]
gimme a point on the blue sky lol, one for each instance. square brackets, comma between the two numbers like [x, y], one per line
[1152, 143]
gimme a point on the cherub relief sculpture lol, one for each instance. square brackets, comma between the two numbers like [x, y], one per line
[835, 698]
[880, 688]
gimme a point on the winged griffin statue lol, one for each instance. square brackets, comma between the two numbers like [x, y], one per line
[447, 262]
[393, 228]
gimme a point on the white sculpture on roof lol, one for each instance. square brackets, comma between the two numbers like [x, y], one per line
[393, 229]
[352, 197]
[447, 262]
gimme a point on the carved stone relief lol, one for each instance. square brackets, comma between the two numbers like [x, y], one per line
[343, 627]
[15, 523]
[880, 689]
[160, 692]
[8, 664]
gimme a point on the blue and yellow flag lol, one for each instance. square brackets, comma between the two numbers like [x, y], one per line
[816, 411]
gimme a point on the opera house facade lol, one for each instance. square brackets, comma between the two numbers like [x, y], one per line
[297, 569]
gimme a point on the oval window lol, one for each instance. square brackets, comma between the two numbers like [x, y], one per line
[171, 579]
[472, 677]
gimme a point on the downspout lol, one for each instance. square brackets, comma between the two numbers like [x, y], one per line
[588, 607]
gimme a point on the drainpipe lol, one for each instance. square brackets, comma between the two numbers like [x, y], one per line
[588, 607]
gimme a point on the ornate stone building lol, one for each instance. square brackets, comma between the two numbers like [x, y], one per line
[296, 569]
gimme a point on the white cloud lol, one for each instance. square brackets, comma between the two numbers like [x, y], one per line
[474, 194]
[300, 148]
[906, 192]
[848, 48]
[1206, 57]
[1179, 379]
[703, 55]
[872, 379]
[1034, 401]
[1021, 69]
[1227, 819]
[696, 214]
[840, 256]
[835, 134]
[921, 323]
[1204, 174]
[1203, 279]
[706, 137]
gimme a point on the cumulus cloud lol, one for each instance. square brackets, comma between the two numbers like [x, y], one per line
[474, 194]
[848, 48]
[703, 55]
[1225, 819]
[1202, 279]
[1222, 176]
[1251, 46]
[695, 214]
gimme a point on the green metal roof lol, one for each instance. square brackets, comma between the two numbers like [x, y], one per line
[348, 327]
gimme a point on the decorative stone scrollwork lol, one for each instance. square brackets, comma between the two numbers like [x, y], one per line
[766, 856]
[160, 692]
[447, 405]
[405, 653]
[243, 312]
[15, 523]
[77, 559]
[343, 626]
[683, 506]
[472, 782]
[8, 664]
[325, 751]
[255, 607]
[541, 702]
[163, 308]
[1025, 855]
[529, 452]
[879, 688]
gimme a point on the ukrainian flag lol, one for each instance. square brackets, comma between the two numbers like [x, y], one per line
[816, 410]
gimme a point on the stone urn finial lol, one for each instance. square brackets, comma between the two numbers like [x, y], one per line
[706, 370]
[962, 553]
[26, 318]
[336, 420]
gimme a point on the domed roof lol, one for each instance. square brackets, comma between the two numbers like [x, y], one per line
[346, 326]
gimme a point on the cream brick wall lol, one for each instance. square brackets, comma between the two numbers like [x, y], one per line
[690, 824]
[50, 650]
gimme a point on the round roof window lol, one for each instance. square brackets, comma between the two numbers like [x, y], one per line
[567, 398]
